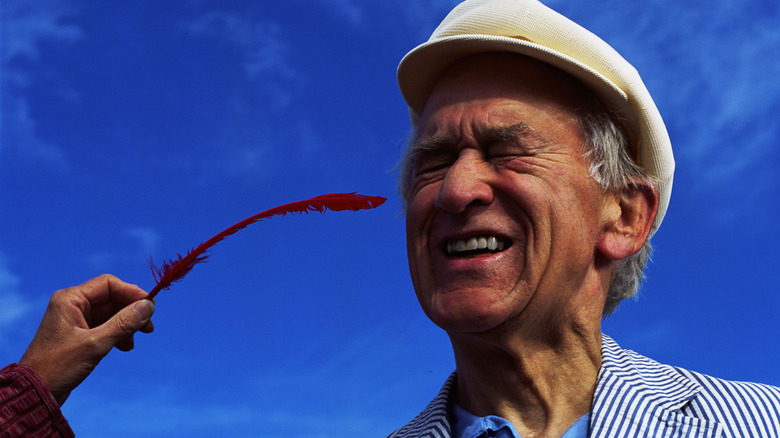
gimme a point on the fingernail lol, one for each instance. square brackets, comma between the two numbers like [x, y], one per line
[143, 309]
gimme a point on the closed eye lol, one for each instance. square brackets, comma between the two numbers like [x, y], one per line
[507, 151]
[514, 141]
[431, 155]
[432, 169]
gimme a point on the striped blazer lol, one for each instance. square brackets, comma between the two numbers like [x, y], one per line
[639, 397]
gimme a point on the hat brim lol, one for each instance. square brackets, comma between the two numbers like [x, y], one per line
[421, 68]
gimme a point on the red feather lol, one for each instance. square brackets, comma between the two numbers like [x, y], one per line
[174, 270]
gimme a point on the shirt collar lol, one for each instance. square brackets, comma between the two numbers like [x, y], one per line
[468, 425]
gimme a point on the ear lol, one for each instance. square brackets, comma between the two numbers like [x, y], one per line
[632, 214]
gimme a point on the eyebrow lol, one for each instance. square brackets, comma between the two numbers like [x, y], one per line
[512, 133]
[490, 135]
[427, 144]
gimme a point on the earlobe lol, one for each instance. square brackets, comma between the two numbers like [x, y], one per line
[631, 222]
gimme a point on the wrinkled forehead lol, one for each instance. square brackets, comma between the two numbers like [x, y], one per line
[491, 84]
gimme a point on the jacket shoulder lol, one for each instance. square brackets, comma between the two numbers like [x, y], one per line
[651, 395]
[744, 408]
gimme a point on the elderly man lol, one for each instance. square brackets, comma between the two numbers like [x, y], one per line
[538, 169]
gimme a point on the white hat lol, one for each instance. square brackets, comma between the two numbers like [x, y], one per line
[529, 28]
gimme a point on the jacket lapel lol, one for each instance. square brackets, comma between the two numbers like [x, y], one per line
[434, 421]
[636, 396]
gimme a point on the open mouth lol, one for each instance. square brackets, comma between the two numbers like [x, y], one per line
[474, 246]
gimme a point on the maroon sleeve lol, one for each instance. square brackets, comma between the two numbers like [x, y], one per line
[27, 407]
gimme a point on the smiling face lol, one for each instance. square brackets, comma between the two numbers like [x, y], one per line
[503, 217]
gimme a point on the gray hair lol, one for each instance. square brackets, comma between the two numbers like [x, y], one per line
[615, 171]
[611, 167]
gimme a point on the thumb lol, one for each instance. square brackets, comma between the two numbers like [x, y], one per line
[120, 328]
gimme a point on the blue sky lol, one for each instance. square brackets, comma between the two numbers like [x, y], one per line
[143, 128]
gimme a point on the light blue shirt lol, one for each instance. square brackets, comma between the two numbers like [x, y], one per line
[468, 425]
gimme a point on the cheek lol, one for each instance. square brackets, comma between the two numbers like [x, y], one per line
[418, 214]
[419, 209]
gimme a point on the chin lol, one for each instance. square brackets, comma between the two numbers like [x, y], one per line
[459, 326]
[456, 316]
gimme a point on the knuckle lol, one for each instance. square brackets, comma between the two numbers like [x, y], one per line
[92, 342]
[107, 277]
[125, 324]
[59, 297]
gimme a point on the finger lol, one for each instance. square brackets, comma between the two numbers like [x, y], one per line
[125, 323]
[148, 328]
[128, 343]
[125, 344]
[106, 295]
[108, 289]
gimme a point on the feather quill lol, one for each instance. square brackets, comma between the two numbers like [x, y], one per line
[172, 270]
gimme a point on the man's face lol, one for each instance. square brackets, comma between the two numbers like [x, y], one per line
[503, 217]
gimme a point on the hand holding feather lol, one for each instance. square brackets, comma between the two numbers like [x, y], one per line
[81, 325]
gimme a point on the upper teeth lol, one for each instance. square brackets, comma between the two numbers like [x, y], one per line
[473, 243]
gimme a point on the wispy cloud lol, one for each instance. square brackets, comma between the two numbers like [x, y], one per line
[710, 71]
[393, 19]
[20, 134]
[246, 152]
[12, 305]
[426, 14]
[324, 394]
[145, 243]
[262, 44]
[16, 311]
[347, 9]
[164, 414]
[734, 99]
[309, 141]
[147, 238]
[27, 26]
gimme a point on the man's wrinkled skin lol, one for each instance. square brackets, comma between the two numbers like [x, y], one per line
[500, 156]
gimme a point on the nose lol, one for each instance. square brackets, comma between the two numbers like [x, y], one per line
[465, 184]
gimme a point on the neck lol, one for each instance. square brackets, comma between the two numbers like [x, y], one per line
[541, 383]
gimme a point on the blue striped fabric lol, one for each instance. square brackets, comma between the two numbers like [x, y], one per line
[434, 421]
[639, 397]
